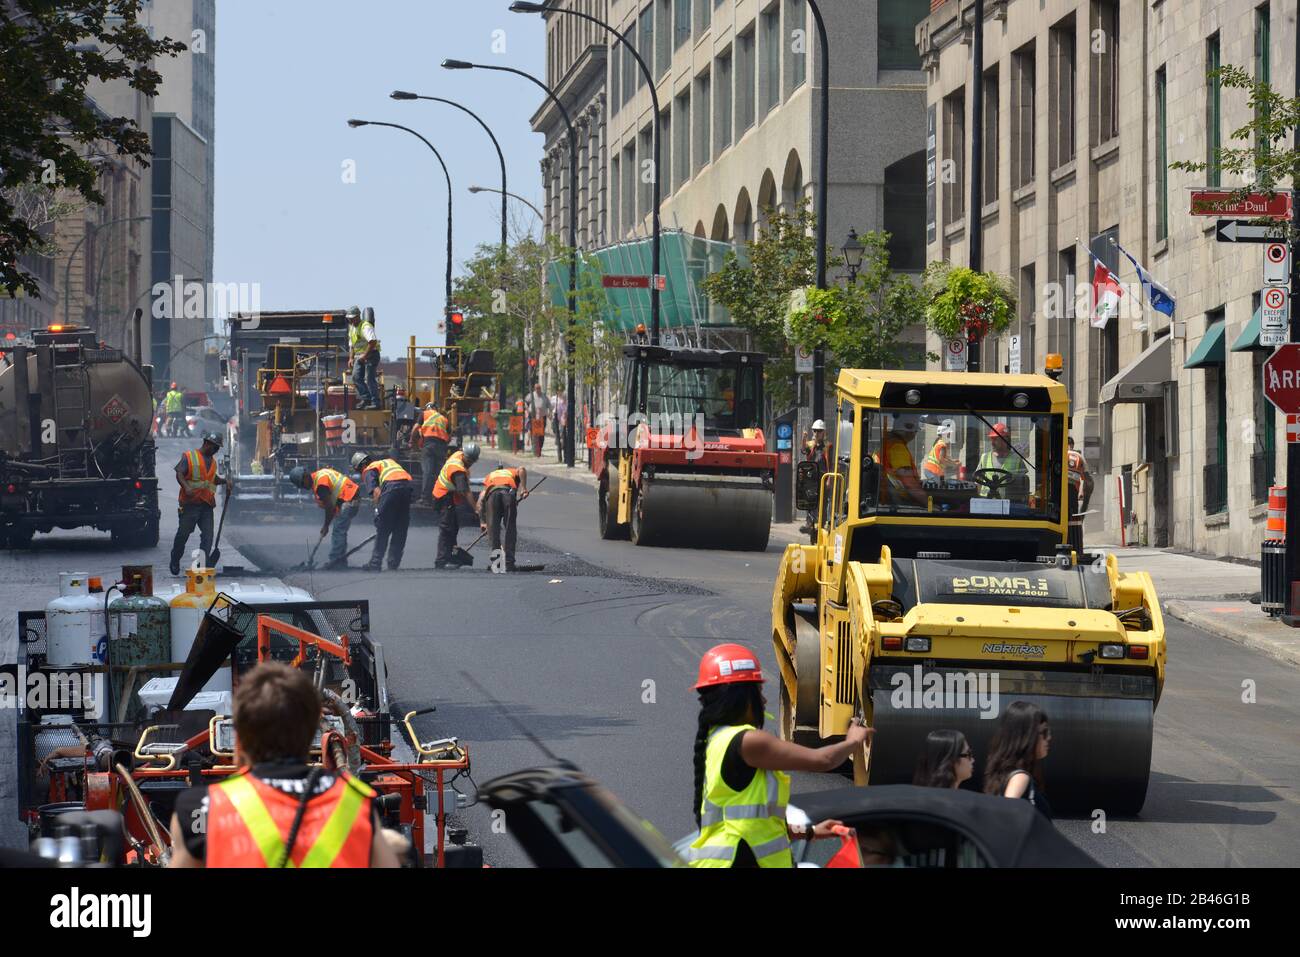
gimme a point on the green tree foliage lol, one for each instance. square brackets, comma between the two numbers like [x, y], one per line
[50, 51]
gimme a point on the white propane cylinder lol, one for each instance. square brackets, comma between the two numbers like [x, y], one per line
[74, 622]
[188, 609]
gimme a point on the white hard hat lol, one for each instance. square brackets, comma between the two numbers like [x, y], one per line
[819, 426]
[946, 429]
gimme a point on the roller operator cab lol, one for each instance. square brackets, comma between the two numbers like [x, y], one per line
[941, 589]
[683, 460]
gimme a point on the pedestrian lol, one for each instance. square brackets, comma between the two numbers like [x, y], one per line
[337, 496]
[363, 359]
[1081, 486]
[197, 474]
[498, 509]
[278, 810]
[741, 782]
[1016, 754]
[560, 414]
[451, 496]
[432, 436]
[540, 411]
[174, 405]
[391, 487]
[946, 762]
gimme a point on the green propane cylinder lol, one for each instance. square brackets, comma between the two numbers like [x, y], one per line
[140, 636]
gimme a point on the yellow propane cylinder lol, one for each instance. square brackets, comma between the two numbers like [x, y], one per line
[188, 609]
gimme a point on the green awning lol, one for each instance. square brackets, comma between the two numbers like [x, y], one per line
[1249, 338]
[1209, 351]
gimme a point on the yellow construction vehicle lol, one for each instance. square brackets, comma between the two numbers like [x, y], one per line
[941, 589]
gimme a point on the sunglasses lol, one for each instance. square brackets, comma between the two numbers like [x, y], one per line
[967, 754]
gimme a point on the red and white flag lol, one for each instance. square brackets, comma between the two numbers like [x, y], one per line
[1106, 293]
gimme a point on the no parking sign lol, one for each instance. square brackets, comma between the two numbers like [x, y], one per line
[954, 355]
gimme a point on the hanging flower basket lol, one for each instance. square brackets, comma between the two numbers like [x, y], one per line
[967, 304]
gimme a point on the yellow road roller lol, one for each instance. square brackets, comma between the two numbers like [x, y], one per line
[941, 588]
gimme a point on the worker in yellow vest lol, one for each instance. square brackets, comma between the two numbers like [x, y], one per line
[339, 498]
[452, 498]
[433, 434]
[197, 474]
[498, 508]
[742, 784]
[391, 486]
[174, 406]
[363, 359]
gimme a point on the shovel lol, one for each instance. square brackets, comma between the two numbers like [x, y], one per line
[526, 494]
[225, 507]
[311, 559]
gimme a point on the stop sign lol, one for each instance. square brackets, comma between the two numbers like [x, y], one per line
[1282, 378]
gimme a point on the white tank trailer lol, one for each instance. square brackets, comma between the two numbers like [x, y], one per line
[76, 448]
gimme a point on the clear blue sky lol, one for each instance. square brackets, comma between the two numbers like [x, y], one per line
[290, 73]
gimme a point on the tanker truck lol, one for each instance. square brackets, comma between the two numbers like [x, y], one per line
[75, 443]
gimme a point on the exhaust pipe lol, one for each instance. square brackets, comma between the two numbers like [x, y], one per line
[136, 348]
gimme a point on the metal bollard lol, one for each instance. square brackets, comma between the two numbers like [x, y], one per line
[1272, 601]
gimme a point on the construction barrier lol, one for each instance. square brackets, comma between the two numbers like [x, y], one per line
[1276, 528]
[333, 430]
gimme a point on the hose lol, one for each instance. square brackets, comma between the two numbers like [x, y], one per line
[336, 704]
[144, 813]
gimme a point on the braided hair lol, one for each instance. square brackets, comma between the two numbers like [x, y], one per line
[721, 705]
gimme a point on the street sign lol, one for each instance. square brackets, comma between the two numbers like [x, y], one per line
[784, 430]
[954, 355]
[1220, 202]
[1275, 309]
[1013, 356]
[1273, 337]
[1244, 231]
[633, 282]
[1277, 264]
[803, 361]
[1293, 429]
[1282, 379]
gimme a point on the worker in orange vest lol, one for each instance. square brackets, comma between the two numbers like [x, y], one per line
[498, 508]
[197, 474]
[432, 436]
[391, 486]
[452, 499]
[337, 496]
[278, 810]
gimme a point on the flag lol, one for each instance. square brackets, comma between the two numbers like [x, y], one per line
[1106, 293]
[1161, 299]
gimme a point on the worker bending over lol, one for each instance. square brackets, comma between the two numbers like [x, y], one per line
[390, 485]
[432, 436]
[451, 496]
[498, 508]
[278, 810]
[197, 474]
[337, 496]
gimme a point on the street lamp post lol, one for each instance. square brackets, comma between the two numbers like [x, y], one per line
[823, 172]
[569, 456]
[357, 124]
[92, 229]
[515, 196]
[520, 7]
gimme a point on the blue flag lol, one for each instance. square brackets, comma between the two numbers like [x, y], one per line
[1161, 299]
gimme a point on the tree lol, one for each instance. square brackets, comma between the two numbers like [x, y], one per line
[50, 51]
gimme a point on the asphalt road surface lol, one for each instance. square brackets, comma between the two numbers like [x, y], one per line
[595, 657]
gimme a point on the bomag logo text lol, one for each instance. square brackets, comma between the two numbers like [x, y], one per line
[997, 585]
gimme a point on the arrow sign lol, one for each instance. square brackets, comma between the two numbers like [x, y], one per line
[1244, 231]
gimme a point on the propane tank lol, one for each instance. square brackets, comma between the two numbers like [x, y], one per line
[187, 611]
[74, 622]
[139, 632]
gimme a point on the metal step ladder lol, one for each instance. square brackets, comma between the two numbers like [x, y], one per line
[71, 399]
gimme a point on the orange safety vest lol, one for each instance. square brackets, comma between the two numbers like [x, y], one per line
[446, 485]
[389, 471]
[1076, 472]
[249, 822]
[201, 481]
[342, 488]
[933, 463]
[434, 425]
[501, 478]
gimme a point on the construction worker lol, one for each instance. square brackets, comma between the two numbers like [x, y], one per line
[391, 486]
[815, 450]
[1081, 485]
[900, 484]
[174, 406]
[432, 436]
[279, 811]
[197, 474]
[498, 508]
[742, 784]
[451, 496]
[1000, 463]
[336, 494]
[939, 464]
[363, 359]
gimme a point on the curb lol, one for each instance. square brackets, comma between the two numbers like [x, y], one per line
[1286, 651]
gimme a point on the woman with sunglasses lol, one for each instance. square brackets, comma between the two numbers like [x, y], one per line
[946, 762]
[1019, 746]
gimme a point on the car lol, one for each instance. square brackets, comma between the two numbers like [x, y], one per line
[206, 419]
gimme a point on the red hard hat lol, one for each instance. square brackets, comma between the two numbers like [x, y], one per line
[727, 665]
[1000, 431]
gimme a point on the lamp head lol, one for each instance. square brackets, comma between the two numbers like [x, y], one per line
[476, 189]
[457, 65]
[358, 123]
[403, 95]
[520, 7]
[853, 250]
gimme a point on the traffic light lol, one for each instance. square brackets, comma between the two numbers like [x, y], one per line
[455, 326]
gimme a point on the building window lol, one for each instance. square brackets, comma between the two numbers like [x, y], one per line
[1263, 460]
[1262, 69]
[703, 16]
[1105, 250]
[770, 75]
[646, 46]
[1213, 112]
[1060, 335]
[1162, 158]
[896, 22]
[1104, 44]
[1022, 116]
[989, 160]
[645, 172]
[1028, 308]
[796, 50]
[627, 218]
[744, 82]
[954, 157]
[682, 21]
[666, 150]
[905, 212]
[631, 72]
[663, 46]
[722, 103]
[1216, 430]
[615, 182]
[700, 131]
[682, 141]
[1062, 93]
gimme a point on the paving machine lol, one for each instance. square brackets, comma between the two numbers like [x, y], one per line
[684, 461]
[297, 406]
[75, 443]
[936, 594]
